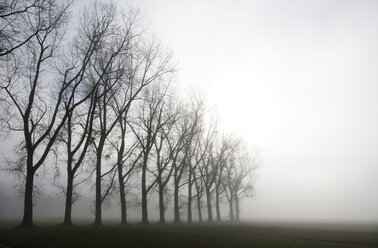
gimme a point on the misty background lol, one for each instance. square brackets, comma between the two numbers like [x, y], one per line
[297, 79]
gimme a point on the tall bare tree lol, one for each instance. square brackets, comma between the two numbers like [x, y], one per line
[165, 150]
[187, 129]
[26, 84]
[151, 120]
[77, 134]
[224, 151]
[15, 28]
[125, 65]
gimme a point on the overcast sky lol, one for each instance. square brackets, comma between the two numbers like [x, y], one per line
[299, 81]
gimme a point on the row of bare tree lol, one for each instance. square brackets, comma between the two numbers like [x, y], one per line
[96, 92]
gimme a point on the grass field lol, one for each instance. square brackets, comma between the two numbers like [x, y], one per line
[205, 235]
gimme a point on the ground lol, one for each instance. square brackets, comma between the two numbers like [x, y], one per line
[194, 235]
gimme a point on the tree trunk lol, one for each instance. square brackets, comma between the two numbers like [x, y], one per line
[122, 195]
[217, 204]
[190, 197]
[144, 194]
[176, 203]
[231, 205]
[161, 203]
[98, 216]
[209, 210]
[237, 210]
[28, 200]
[69, 191]
[199, 207]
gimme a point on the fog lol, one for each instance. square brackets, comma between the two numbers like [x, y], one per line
[297, 79]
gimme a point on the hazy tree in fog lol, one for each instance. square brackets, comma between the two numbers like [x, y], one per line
[77, 133]
[26, 81]
[238, 178]
[199, 186]
[197, 152]
[207, 167]
[125, 65]
[127, 159]
[187, 128]
[224, 150]
[165, 149]
[243, 179]
[149, 122]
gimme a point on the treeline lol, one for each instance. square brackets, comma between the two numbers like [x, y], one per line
[98, 93]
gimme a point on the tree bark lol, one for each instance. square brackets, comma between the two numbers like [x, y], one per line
[144, 194]
[161, 203]
[237, 210]
[28, 199]
[98, 215]
[122, 196]
[69, 191]
[231, 205]
[209, 210]
[217, 208]
[120, 176]
[199, 208]
[176, 203]
[190, 197]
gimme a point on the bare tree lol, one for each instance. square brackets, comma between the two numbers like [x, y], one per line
[127, 159]
[15, 27]
[238, 178]
[186, 131]
[224, 151]
[151, 120]
[243, 179]
[164, 155]
[77, 134]
[198, 152]
[207, 167]
[28, 104]
[124, 65]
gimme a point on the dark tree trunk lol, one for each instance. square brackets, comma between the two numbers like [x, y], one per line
[68, 209]
[28, 199]
[122, 196]
[176, 203]
[190, 197]
[98, 215]
[209, 210]
[161, 203]
[144, 194]
[231, 205]
[237, 210]
[199, 208]
[217, 204]
[120, 179]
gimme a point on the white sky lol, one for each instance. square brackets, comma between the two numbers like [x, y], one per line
[299, 80]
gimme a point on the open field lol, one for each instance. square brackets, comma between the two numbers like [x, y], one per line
[195, 235]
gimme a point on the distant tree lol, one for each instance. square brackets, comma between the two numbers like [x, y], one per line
[165, 149]
[125, 64]
[187, 128]
[243, 179]
[208, 168]
[198, 152]
[151, 119]
[224, 150]
[238, 179]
